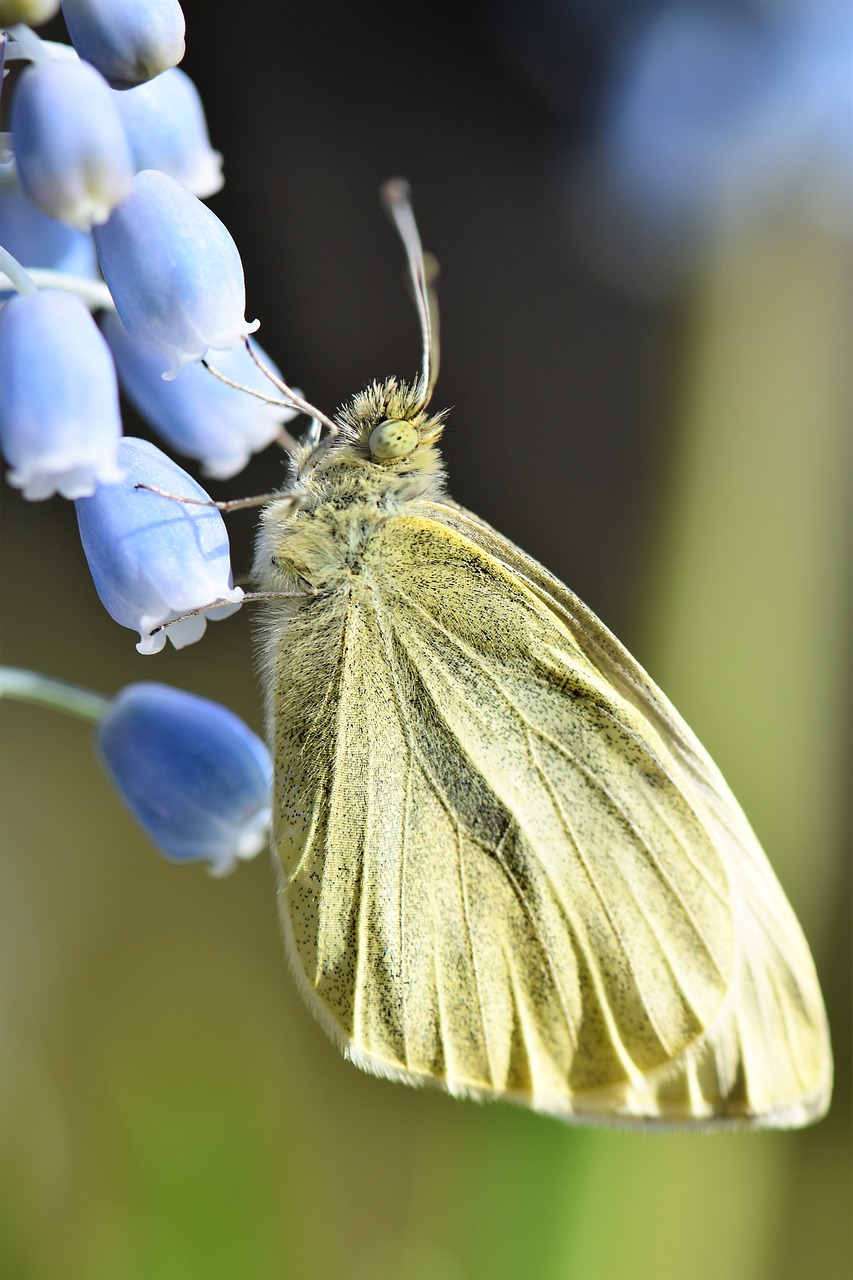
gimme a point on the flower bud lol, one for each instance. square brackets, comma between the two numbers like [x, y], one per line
[127, 40]
[191, 772]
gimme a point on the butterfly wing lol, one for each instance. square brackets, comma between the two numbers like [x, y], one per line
[509, 868]
[767, 1056]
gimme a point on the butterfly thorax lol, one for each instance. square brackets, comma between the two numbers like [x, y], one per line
[341, 494]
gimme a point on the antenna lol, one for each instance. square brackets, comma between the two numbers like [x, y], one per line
[395, 196]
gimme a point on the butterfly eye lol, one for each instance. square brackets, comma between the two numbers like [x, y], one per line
[392, 439]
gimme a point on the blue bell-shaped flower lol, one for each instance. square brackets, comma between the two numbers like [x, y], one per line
[165, 126]
[153, 558]
[196, 413]
[192, 773]
[174, 272]
[37, 240]
[129, 41]
[59, 412]
[72, 154]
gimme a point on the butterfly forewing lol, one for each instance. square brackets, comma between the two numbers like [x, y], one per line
[766, 1059]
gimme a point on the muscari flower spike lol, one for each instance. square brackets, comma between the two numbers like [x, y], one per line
[127, 40]
[153, 558]
[59, 411]
[174, 272]
[192, 773]
[165, 126]
[70, 146]
[196, 413]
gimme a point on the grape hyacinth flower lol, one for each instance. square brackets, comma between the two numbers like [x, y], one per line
[59, 411]
[152, 558]
[165, 126]
[73, 157]
[196, 413]
[174, 272]
[192, 773]
[127, 40]
[37, 240]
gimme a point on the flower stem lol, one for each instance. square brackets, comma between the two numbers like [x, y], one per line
[29, 46]
[94, 293]
[15, 273]
[45, 691]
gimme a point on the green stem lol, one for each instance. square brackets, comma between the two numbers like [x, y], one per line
[45, 691]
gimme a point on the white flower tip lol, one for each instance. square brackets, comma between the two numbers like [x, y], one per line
[180, 359]
[98, 214]
[228, 339]
[207, 177]
[72, 483]
[255, 836]
[226, 466]
[222, 867]
[92, 208]
[251, 840]
[79, 218]
[35, 488]
[149, 643]
[82, 481]
[187, 631]
[232, 601]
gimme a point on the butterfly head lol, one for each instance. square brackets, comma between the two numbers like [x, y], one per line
[388, 424]
[383, 440]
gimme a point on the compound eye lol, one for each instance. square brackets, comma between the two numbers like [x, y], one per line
[392, 439]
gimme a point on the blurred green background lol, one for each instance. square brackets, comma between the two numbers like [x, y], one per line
[168, 1109]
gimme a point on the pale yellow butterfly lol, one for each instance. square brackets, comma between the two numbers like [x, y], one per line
[508, 867]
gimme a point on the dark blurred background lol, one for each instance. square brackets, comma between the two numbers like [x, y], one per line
[640, 213]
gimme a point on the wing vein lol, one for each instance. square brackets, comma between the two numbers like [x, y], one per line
[474, 659]
[568, 755]
[359, 895]
[319, 804]
[474, 967]
[404, 839]
[525, 905]
[605, 791]
[653, 858]
[507, 870]
[593, 965]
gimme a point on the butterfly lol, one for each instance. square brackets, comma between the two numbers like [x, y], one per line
[507, 866]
